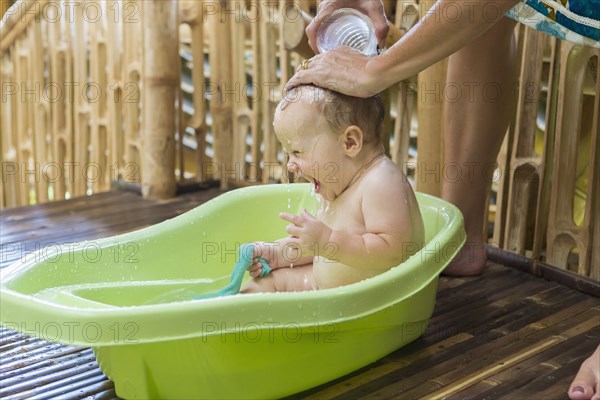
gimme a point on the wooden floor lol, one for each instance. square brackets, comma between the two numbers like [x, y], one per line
[503, 335]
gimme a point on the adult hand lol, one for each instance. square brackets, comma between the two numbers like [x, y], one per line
[344, 70]
[373, 8]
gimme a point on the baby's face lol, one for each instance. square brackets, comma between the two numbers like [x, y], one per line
[315, 152]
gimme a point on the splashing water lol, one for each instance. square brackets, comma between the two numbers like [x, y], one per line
[285, 177]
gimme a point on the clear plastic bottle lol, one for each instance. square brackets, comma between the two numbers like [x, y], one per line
[347, 27]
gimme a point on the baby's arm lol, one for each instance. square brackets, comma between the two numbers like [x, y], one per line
[392, 220]
[282, 253]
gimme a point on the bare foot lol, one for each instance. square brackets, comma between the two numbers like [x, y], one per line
[469, 261]
[586, 385]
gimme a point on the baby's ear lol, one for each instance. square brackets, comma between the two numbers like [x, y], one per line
[352, 141]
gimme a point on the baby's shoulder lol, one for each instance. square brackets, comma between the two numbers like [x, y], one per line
[386, 175]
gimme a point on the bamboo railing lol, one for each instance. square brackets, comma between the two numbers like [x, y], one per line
[156, 95]
[548, 204]
[71, 100]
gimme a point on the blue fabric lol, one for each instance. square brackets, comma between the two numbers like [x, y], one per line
[590, 9]
[245, 259]
[550, 18]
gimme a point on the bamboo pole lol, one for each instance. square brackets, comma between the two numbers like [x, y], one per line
[594, 188]
[270, 91]
[546, 171]
[563, 234]
[192, 13]
[98, 119]
[81, 128]
[4, 5]
[431, 124]
[8, 139]
[293, 33]
[242, 114]
[407, 14]
[39, 113]
[132, 72]
[161, 84]
[503, 161]
[223, 93]
[114, 58]
[18, 18]
[257, 79]
[58, 108]
[525, 174]
[23, 142]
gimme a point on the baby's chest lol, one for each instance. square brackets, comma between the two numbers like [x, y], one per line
[345, 218]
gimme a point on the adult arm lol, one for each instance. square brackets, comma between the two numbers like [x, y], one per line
[448, 26]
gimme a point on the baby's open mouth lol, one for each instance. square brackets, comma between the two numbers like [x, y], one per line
[317, 185]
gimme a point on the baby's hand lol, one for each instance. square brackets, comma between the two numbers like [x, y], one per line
[312, 234]
[266, 251]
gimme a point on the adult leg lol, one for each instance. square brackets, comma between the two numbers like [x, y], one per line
[474, 127]
[586, 384]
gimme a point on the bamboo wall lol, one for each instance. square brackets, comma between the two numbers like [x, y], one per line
[159, 95]
[70, 99]
[548, 199]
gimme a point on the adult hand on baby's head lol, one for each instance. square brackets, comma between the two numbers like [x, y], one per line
[312, 234]
[343, 70]
[373, 8]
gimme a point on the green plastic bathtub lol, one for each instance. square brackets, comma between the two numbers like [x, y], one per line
[126, 297]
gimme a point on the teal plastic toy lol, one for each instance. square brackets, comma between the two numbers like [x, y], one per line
[245, 257]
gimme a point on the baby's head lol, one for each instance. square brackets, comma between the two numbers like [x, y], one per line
[325, 133]
[339, 111]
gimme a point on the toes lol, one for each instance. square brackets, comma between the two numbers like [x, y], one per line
[580, 391]
[582, 387]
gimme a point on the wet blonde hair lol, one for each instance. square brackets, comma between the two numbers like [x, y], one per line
[342, 111]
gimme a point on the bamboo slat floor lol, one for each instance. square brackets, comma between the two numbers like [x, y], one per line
[503, 335]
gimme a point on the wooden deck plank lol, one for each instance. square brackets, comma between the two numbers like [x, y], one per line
[544, 364]
[126, 206]
[503, 335]
[88, 221]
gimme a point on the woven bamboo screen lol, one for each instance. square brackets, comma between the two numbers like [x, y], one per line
[71, 99]
[79, 101]
[548, 198]
[81, 109]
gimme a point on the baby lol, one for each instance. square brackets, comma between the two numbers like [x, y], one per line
[369, 219]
